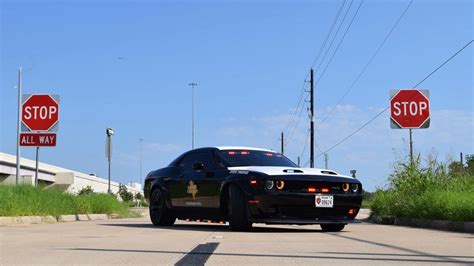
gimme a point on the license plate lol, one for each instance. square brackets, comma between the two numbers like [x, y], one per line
[324, 201]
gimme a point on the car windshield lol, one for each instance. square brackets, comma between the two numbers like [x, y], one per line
[254, 158]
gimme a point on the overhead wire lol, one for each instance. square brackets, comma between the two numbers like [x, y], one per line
[386, 108]
[379, 48]
[292, 124]
[340, 42]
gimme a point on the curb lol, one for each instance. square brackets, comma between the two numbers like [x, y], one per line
[464, 227]
[7, 220]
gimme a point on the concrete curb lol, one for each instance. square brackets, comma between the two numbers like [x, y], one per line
[465, 227]
[7, 221]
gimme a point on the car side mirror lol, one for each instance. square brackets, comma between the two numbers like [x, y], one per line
[198, 166]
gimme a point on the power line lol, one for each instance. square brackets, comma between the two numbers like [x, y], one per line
[340, 42]
[328, 35]
[291, 123]
[335, 34]
[386, 108]
[368, 63]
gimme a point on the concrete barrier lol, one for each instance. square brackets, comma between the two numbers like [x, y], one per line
[8, 221]
[95, 217]
[465, 227]
[67, 218]
[82, 217]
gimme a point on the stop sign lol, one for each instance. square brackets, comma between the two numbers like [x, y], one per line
[40, 112]
[410, 109]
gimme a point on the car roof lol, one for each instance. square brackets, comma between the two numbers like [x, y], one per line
[225, 148]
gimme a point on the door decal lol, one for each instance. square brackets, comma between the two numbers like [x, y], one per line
[192, 189]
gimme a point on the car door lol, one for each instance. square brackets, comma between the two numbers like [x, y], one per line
[206, 180]
[180, 195]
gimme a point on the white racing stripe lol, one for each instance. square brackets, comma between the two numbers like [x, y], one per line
[278, 170]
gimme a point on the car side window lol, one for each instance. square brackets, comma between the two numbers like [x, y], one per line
[199, 157]
[187, 162]
[206, 159]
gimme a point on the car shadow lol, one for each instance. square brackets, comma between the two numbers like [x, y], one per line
[216, 228]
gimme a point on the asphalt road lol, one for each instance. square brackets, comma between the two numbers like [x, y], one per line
[136, 241]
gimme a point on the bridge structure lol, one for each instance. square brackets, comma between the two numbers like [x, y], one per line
[53, 176]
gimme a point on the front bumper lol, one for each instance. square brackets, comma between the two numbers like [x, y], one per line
[299, 208]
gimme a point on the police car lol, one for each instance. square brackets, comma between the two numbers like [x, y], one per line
[245, 185]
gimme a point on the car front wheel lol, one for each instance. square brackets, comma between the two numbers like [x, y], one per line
[332, 227]
[159, 213]
[238, 220]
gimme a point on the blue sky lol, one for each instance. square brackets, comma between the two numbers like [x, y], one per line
[250, 59]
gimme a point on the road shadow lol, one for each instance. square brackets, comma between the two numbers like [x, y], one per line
[202, 253]
[215, 228]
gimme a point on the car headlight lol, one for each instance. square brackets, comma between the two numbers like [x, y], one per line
[355, 187]
[269, 184]
[280, 184]
[345, 187]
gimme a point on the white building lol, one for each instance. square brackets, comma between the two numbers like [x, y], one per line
[53, 176]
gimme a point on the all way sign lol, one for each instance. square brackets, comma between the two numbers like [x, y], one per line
[37, 140]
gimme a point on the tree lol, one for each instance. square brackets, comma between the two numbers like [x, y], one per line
[124, 193]
[455, 168]
[86, 191]
[470, 163]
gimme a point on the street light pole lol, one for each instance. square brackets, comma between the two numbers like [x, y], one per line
[108, 152]
[141, 160]
[192, 85]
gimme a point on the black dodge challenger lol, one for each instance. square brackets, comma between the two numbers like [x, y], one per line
[244, 185]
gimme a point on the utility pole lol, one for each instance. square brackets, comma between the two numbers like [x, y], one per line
[298, 161]
[326, 159]
[18, 128]
[461, 159]
[411, 146]
[311, 155]
[192, 133]
[282, 143]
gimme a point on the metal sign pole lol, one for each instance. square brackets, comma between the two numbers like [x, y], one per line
[411, 146]
[18, 128]
[37, 166]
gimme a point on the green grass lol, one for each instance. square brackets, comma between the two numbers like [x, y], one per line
[431, 192]
[27, 200]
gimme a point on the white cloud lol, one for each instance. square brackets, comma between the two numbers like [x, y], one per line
[372, 151]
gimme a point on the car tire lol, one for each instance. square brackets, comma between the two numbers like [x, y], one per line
[238, 219]
[159, 213]
[332, 227]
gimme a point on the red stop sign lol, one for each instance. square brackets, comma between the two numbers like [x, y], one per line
[40, 112]
[410, 109]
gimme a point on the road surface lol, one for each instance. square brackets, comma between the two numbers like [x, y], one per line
[136, 241]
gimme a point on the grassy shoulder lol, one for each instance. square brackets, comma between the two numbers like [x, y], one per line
[25, 200]
[436, 191]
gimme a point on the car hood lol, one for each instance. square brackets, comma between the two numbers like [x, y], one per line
[278, 170]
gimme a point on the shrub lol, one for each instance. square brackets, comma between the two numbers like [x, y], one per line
[433, 192]
[86, 191]
[124, 193]
[25, 200]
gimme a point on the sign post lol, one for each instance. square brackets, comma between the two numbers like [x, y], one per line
[39, 122]
[409, 109]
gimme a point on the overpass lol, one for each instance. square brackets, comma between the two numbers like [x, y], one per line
[53, 176]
